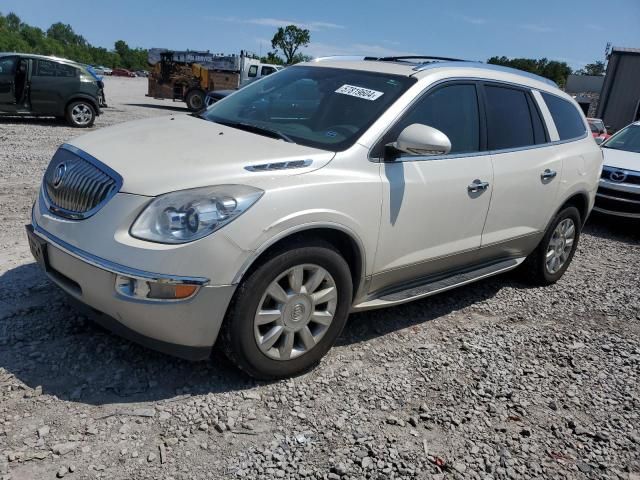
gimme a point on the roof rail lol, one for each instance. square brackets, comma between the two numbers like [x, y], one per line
[337, 57]
[490, 66]
[428, 58]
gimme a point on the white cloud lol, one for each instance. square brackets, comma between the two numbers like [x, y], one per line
[314, 26]
[474, 20]
[468, 18]
[319, 49]
[536, 28]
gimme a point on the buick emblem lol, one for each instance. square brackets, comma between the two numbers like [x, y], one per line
[618, 176]
[59, 174]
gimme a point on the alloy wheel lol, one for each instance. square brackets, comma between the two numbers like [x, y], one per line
[81, 114]
[295, 312]
[560, 245]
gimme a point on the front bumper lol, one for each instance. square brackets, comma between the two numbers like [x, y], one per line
[618, 199]
[186, 328]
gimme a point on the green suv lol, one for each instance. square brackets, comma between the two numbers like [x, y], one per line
[36, 85]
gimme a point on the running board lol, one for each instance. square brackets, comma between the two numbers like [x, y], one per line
[436, 286]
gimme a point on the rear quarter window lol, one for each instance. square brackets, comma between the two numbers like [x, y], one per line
[566, 116]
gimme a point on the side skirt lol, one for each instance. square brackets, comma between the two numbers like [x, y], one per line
[432, 286]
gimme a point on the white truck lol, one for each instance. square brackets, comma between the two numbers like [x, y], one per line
[188, 75]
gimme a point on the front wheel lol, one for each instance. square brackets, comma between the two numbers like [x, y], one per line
[289, 312]
[552, 257]
[195, 100]
[80, 114]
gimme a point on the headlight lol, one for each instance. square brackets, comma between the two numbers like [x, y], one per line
[187, 215]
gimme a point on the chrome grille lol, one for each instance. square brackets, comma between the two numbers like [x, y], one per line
[77, 185]
[629, 176]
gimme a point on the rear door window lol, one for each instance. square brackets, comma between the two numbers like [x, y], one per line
[266, 71]
[53, 69]
[566, 116]
[46, 69]
[253, 71]
[512, 119]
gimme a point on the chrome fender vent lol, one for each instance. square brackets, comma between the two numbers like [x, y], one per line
[279, 166]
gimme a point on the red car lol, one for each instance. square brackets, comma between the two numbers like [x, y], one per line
[122, 72]
[598, 129]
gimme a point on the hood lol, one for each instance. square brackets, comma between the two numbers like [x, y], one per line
[165, 154]
[621, 159]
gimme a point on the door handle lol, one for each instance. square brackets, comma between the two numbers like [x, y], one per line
[548, 174]
[478, 186]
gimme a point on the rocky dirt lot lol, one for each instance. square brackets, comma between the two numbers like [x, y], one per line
[495, 380]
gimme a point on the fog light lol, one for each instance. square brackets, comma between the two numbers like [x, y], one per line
[146, 290]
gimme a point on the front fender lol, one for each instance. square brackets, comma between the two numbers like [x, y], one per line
[86, 97]
[293, 229]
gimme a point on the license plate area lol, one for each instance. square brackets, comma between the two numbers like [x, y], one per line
[38, 248]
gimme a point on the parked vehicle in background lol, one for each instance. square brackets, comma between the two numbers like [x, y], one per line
[253, 72]
[142, 73]
[216, 95]
[105, 70]
[188, 75]
[619, 190]
[598, 129]
[332, 186]
[102, 101]
[122, 72]
[37, 85]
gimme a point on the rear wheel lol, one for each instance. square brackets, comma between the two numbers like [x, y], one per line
[552, 257]
[195, 100]
[80, 114]
[289, 312]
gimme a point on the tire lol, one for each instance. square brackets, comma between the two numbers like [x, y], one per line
[80, 114]
[293, 352]
[537, 269]
[195, 100]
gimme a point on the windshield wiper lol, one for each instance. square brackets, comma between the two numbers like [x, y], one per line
[250, 127]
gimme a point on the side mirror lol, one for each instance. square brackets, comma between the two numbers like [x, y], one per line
[599, 140]
[418, 139]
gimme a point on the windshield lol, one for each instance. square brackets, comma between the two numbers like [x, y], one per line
[627, 139]
[327, 108]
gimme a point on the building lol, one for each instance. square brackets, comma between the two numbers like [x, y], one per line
[619, 103]
[586, 91]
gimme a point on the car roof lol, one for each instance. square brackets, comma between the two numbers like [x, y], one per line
[42, 57]
[422, 66]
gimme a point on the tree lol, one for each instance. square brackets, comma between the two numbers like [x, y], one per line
[60, 40]
[13, 22]
[272, 58]
[551, 69]
[121, 48]
[289, 39]
[596, 68]
[301, 57]
[65, 34]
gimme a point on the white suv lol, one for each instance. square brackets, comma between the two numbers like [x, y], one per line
[329, 187]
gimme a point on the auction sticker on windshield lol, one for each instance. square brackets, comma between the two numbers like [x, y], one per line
[359, 92]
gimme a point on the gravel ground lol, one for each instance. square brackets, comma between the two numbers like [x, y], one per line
[495, 380]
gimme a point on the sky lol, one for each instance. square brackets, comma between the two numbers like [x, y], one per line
[574, 31]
